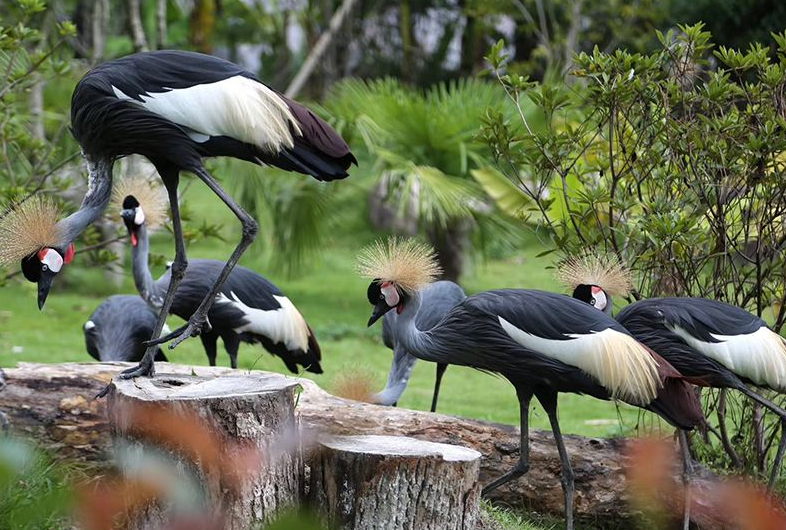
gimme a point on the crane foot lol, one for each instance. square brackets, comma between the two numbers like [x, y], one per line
[197, 324]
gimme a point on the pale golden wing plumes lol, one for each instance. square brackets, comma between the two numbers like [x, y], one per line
[28, 227]
[405, 262]
[150, 194]
[601, 269]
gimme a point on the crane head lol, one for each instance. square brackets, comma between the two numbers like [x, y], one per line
[385, 296]
[41, 267]
[594, 296]
[133, 217]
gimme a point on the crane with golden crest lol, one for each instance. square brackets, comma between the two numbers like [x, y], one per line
[543, 343]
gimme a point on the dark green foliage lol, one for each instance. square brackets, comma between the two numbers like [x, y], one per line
[673, 164]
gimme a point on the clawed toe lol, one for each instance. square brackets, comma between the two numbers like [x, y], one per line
[143, 369]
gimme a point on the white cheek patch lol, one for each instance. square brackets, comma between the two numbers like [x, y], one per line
[600, 300]
[391, 294]
[89, 325]
[139, 218]
[52, 260]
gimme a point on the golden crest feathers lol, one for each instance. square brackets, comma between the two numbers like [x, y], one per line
[405, 262]
[27, 227]
[150, 194]
[606, 271]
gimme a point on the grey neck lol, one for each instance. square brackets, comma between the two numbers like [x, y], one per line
[415, 341]
[150, 291]
[99, 191]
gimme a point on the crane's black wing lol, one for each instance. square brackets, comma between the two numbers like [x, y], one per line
[717, 343]
[177, 106]
[253, 307]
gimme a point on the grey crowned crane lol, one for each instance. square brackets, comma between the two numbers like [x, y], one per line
[437, 299]
[543, 343]
[713, 343]
[176, 108]
[118, 329]
[248, 308]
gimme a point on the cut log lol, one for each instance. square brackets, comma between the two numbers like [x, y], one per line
[210, 426]
[53, 405]
[394, 483]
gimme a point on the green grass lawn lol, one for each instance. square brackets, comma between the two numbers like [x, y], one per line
[332, 298]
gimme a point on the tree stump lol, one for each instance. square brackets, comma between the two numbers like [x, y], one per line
[233, 439]
[394, 482]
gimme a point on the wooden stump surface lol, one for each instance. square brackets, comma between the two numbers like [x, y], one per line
[235, 439]
[377, 482]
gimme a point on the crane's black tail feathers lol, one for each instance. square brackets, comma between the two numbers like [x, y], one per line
[305, 159]
[676, 401]
[309, 360]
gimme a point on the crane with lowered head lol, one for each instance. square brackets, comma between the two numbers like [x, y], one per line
[118, 329]
[175, 108]
[248, 308]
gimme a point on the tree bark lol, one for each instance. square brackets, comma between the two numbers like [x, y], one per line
[135, 27]
[98, 24]
[319, 49]
[246, 411]
[53, 405]
[161, 23]
[394, 483]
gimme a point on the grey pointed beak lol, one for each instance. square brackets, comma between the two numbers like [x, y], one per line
[44, 284]
[379, 311]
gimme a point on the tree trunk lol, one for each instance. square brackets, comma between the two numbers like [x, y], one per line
[323, 43]
[98, 24]
[394, 483]
[452, 244]
[161, 23]
[135, 27]
[54, 406]
[245, 411]
[202, 24]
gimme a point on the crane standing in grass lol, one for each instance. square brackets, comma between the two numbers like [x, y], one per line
[543, 343]
[249, 308]
[118, 329]
[714, 343]
[438, 299]
[174, 108]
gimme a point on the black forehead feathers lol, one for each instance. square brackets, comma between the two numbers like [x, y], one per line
[130, 202]
[374, 291]
[583, 292]
[31, 267]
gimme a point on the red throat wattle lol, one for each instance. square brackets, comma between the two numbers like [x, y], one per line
[399, 308]
[134, 240]
[69, 255]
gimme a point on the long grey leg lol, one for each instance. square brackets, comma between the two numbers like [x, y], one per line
[776, 464]
[550, 404]
[209, 342]
[250, 228]
[523, 464]
[441, 367]
[687, 474]
[146, 365]
[232, 345]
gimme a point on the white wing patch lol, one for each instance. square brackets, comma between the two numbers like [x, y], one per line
[759, 356]
[283, 325]
[237, 107]
[616, 360]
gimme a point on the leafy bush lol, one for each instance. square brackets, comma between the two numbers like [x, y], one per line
[673, 164]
